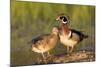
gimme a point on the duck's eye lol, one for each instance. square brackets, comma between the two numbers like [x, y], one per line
[65, 19]
[61, 17]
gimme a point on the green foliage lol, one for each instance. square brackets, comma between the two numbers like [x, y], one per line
[29, 19]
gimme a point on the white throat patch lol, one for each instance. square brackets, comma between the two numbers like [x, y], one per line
[65, 22]
[69, 34]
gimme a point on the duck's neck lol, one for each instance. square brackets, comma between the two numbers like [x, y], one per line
[54, 36]
[65, 29]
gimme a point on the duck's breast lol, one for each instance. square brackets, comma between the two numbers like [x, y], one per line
[67, 41]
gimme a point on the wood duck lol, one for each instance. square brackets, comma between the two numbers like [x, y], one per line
[69, 37]
[46, 42]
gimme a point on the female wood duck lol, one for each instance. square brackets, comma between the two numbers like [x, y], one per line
[46, 42]
[69, 37]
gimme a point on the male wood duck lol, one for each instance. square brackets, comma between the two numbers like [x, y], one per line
[69, 37]
[46, 42]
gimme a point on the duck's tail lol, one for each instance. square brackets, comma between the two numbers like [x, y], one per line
[86, 36]
[83, 36]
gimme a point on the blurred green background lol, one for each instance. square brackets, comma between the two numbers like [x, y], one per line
[29, 19]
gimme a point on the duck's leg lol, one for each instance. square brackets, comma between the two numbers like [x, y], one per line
[49, 55]
[39, 60]
[44, 58]
[67, 49]
[71, 49]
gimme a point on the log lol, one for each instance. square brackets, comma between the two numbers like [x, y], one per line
[81, 56]
[78, 56]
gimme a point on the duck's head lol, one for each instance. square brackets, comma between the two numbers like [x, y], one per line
[63, 19]
[55, 30]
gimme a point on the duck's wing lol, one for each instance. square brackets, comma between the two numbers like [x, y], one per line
[80, 34]
[76, 31]
[39, 38]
